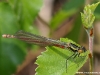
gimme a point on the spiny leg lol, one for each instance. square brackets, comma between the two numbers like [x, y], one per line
[67, 59]
[77, 54]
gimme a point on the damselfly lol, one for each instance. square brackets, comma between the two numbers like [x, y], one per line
[43, 41]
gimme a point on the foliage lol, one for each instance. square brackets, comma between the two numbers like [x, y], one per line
[88, 16]
[53, 61]
[88, 19]
[18, 15]
[15, 15]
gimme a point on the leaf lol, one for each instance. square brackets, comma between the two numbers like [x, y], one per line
[12, 52]
[88, 16]
[59, 18]
[53, 61]
[26, 12]
[97, 12]
[73, 5]
[11, 55]
[8, 21]
[76, 30]
[69, 8]
[14, 15]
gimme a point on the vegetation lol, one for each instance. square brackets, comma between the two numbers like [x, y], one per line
[18, 15]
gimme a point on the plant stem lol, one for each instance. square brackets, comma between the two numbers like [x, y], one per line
[91, 63]
[91, 36]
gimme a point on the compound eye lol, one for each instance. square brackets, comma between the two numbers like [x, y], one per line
[83, 48]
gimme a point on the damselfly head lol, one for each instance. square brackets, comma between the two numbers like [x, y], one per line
[82, 49]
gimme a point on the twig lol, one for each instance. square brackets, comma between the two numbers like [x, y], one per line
[90, 33]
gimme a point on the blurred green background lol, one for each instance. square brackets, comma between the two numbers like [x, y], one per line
[49, 18]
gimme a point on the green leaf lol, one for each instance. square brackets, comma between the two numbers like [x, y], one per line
[97, 12]
[11, 55]
[69, 8]
[73, 4]
[8, 21]
[76, 29]
[12, 52]
[88, 16]
[59, 18]
[53, 61]
[26, 12]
